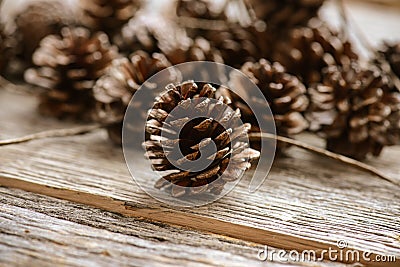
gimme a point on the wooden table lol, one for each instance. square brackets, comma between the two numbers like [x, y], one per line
[71, 201]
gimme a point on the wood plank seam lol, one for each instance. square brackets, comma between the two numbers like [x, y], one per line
[173, 217]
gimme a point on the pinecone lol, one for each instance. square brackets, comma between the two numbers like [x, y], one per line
[357, 110]
[37, 20]
[69, 65]
[196, 134]
[285, 14]
[240, 44]
[309, 50]
[114, 90]
[196, 50]
[108, 15]
[392, 55]
[151, 34]
[285, 94]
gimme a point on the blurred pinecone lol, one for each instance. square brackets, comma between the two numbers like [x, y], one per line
[285, 94]
[392, 55]
[37, 20]
[285, 14]
[238, 45]
[151, 34]
[308, 50]
[114, 90]
[198, 49]
[357, 110]
[196, 135]
[69, 65]
[6, 51]
[108, 15]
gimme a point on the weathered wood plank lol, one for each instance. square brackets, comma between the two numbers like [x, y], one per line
[44, 231]
[307, 202]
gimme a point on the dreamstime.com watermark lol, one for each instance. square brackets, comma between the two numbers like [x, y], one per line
[339, 253]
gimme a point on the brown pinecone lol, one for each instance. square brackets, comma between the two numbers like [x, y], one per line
[108, 15]
[285, 14]
[198, 49]
[357, 110]
[114, 90]
[285, 94]
[37, 20]
[392, 55]
[238, 45]
[195, 135]
[151, 34]
[69, 65]
[308, 50]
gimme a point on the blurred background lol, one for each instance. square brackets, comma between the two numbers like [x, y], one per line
[378, 19]
[88, 57]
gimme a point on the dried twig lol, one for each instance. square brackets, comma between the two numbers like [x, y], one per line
[326, 153]
[52, 133]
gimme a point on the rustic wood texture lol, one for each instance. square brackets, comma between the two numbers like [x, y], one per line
[307, 201]
[44, 231]
[37, 230]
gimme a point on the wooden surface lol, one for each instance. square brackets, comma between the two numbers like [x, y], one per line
[79, 206]
[307, 202]
[45, 231]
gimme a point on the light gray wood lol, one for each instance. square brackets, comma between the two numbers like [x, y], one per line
[36, 230]
[307, 201]
[46, 231]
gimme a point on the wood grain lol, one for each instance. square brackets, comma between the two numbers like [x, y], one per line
[307, 202]
[43, 231]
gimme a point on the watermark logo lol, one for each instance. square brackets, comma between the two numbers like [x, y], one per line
[342, 244]
[136, 131]
[341, 253]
